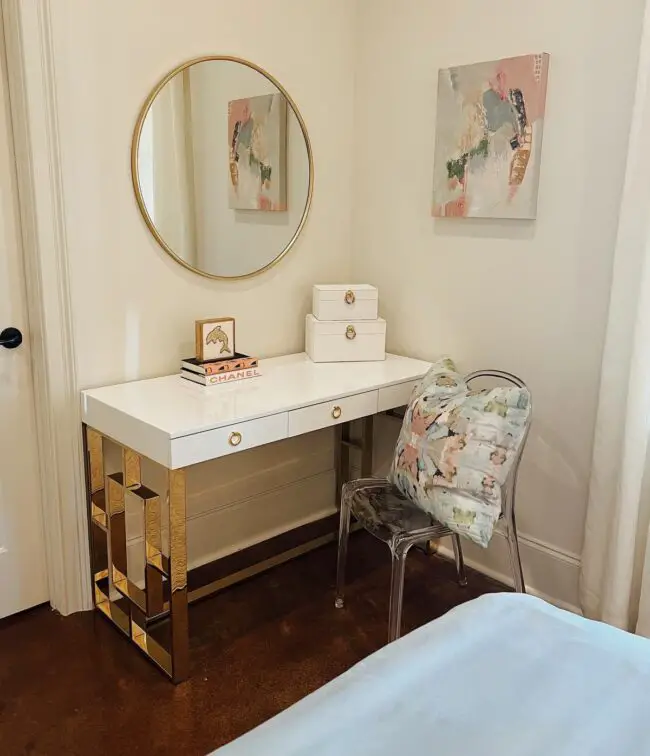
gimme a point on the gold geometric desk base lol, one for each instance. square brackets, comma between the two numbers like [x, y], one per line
[153, 617]
[154, 613]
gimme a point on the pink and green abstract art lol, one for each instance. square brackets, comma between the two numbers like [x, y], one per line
[257, 136]
[489, 138]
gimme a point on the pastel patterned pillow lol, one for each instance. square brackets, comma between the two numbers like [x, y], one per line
[457, 439]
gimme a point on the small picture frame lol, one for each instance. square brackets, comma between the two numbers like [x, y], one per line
[215, 339]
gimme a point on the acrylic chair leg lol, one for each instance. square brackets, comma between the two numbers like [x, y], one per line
[344, 532]
[515, 558]
[396, 594]
[458, 558]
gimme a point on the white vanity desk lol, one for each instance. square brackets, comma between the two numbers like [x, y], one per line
[176, 424]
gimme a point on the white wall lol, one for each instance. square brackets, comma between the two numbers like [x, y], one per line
[133, 306]
[529, 297]
[235, 242]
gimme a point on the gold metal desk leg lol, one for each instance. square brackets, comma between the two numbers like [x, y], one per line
[180, 650]
[136, 607]
[343, 446]
[367, 446]
[342, 462]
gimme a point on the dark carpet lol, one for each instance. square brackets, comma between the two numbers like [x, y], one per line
[74, 686]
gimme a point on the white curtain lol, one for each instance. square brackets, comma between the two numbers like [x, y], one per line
[173, 167]
[615, 579]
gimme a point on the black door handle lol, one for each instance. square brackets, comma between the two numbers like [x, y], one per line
[11, 338]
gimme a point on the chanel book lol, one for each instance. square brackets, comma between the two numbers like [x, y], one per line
[213, 367]
[217, 378]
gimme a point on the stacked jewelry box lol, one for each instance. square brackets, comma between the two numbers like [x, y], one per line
[345, 326]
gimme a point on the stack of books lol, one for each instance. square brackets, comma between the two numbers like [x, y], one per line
[214, 372]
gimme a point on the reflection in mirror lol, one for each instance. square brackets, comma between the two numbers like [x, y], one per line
[222, 168]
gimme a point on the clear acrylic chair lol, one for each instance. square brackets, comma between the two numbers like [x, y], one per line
[385, 513]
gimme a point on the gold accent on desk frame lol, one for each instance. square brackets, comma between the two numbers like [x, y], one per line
[133, 609]
[139, 613]
[135, 174]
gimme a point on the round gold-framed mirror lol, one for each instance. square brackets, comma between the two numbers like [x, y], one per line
[222, 167]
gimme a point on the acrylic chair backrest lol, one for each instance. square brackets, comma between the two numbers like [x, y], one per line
[511, 482]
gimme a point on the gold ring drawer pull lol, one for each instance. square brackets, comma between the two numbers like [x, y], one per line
[234, 439]
[350, 297]
[337, 412]
[350, 332]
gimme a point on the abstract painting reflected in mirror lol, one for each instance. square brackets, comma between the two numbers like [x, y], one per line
[489, 138]
[222, 167]
[257, 133]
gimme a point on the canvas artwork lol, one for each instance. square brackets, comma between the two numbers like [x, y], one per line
[489, 138]
[257, 132]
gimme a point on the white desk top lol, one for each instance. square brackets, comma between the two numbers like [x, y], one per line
[147, 414]
[181, 408]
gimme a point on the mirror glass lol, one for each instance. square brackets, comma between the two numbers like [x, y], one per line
[222, 167]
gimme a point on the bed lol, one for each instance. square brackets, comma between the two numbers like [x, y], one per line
[503, 674]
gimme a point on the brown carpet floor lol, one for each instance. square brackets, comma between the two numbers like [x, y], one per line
[74, 686]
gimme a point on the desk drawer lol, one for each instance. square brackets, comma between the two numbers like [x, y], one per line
[317, 416]
[395, 396]
[190, 450]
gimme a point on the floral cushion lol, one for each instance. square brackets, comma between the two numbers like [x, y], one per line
[457, 441]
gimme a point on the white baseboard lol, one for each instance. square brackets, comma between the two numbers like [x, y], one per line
[549, 573]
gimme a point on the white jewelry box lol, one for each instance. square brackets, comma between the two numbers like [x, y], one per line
[345, 302]
[345, 341]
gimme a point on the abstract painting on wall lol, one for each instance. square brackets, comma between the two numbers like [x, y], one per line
[489, 138]
[257, 134]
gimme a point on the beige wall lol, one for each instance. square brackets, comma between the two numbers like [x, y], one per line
[530, 297]
[134, 307]
[522, 296]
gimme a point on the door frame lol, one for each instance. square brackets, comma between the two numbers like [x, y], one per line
[41, 195]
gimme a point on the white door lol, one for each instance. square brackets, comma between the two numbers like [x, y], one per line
[22, 563]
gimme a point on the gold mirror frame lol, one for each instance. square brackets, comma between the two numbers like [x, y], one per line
[135, 175]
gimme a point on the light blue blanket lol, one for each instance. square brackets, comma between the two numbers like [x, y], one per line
[504, 674]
